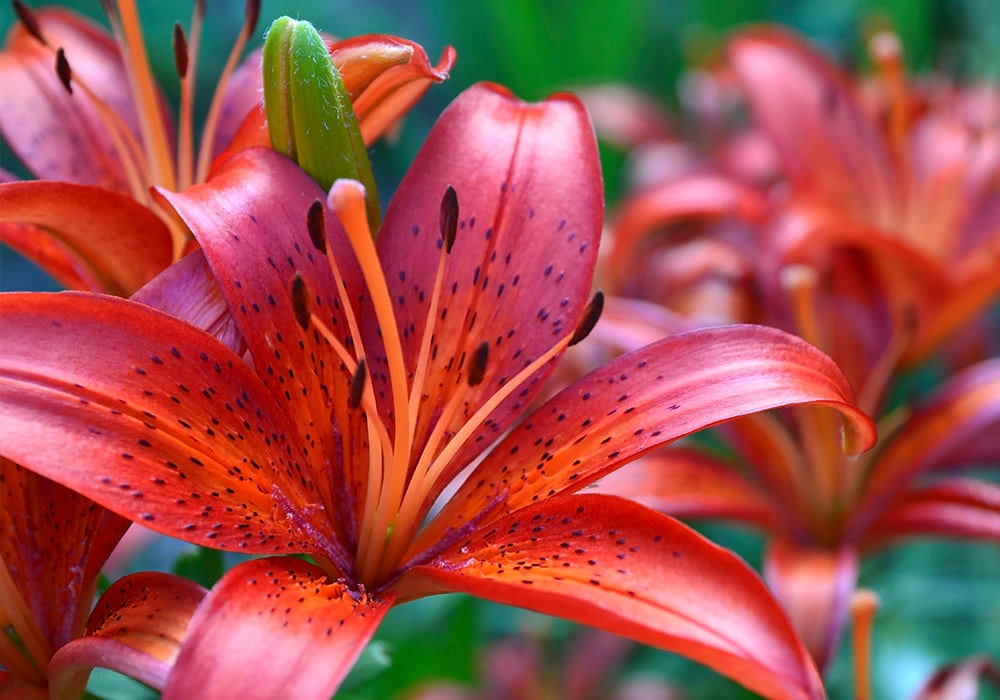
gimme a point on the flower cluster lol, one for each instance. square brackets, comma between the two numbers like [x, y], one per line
[363, 407]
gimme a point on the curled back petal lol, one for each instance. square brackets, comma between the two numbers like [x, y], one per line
[136, 629]
[84, 236]
[613, 564]
[279, 615]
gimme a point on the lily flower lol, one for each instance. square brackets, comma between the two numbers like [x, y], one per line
[53, 543]
[877, 242]
[378, 421]
[84, 113]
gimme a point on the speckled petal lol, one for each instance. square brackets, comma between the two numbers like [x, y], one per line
[274, 627]
[136, 629]
[641, 401]
[619, 566]
[155, 420]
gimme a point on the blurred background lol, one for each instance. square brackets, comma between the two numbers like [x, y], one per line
[940, 600]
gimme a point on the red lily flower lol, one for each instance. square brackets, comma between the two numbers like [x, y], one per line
[851, 250]
[98, 134]
[380, 373]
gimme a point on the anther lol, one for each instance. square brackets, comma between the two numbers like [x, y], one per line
[63, 70]
[29, 21]
[180, 51]
[251, 13]
[449, 217]
[316, 221]
[477, 370]
[589, 320]
[300, 301]
[357, 384]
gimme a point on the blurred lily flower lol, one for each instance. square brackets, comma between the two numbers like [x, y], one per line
[876, 238]
[376, 422]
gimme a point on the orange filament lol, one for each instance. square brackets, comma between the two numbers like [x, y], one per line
[864, 605]
[416, 501]
[128, 31]
[185, 119]
[215, 108]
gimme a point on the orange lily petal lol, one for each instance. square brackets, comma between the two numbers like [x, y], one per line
[188, 291]
[616, 565]
[152, 418]
[519, 274]
[815, 588]
[685, 483]
[136, 629]
[810, 111]
[53, 542]
[381, 99]
[60, 136]
[278, 614]
[952, 507]
[643, 400]
[84, 235]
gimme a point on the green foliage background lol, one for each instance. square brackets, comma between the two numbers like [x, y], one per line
[940, 600]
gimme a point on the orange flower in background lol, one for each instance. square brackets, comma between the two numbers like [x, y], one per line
[875, 235]
[380, 372]
[83, 112]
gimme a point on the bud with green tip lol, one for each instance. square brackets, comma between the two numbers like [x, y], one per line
[309, 113]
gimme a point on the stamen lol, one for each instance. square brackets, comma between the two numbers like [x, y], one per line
[180, 51]
[316, 225]
[126, 147]
[428, 472]
[477, 369]
[358, 384]
[251, 13]
[822, 449]
[29, 21]
[300, 301]
[347, 198]
[125, 24]
[63, 71]
[590, 317]
[449, 217]
[864, 605]
[449, 229]
[186, 60]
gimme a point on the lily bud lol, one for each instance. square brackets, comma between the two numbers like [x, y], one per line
[309, 113]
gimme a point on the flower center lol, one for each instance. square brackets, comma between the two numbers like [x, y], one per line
[398, 497]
